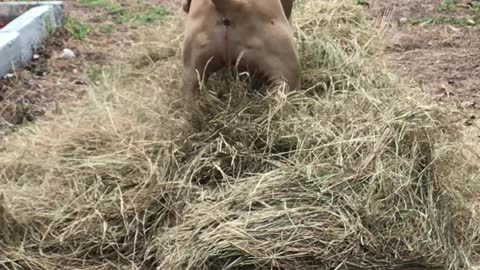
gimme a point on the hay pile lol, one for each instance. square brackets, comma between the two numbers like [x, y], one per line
[357, 171]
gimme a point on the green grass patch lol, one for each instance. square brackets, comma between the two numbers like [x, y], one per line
[462, 21]
[142, 14]
[76, 28]
[446, 5]
[475, 6]
[105, 4]
[150, 15]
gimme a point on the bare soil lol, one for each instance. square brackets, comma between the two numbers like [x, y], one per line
[443, 58]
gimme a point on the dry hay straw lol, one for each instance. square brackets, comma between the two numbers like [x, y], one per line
[356, 171]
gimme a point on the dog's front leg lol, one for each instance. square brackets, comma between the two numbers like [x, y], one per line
[190, 87]
[190, 92]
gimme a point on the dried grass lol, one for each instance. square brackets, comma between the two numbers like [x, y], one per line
[356, 171]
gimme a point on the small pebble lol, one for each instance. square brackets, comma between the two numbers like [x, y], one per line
[67, 53]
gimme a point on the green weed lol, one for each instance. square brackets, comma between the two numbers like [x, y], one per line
[109, 6]
[446, 5]
[47, 22]
[475, 6]
[462, 21]
[150, 15]
[76, 28]
[143, 14]
[362, 2]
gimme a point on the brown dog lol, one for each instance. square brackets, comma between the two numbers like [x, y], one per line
[254, 35]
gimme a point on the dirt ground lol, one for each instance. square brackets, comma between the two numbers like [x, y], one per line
[444, 58]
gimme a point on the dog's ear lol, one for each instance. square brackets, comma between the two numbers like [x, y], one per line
[287, 7]
[186, 5]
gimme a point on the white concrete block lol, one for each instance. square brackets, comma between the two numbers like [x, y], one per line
[9, 43]
[31, 29]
